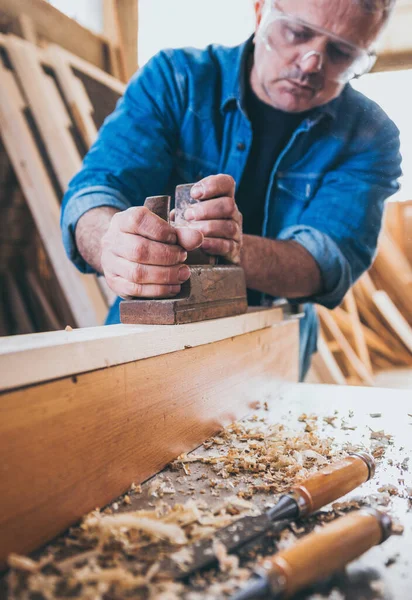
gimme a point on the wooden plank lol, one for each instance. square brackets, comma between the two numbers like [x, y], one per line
[325, 366]
[394, 270]
[48, 108]
[128, 12]
[353, 361]
[95, 434]
[56, 27]
[407, 229]
[54, 123]
[374, 341]
[114, 34]
[25, 360]
[75, 94]
[84, 298]
[394, 318]
[89, 69]
[28, 30]
[358, 334]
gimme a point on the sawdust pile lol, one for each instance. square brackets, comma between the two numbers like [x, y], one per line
[118, 555]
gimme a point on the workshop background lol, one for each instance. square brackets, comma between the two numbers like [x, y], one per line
[121, 446]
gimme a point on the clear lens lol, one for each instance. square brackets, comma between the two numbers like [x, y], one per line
[287, 35]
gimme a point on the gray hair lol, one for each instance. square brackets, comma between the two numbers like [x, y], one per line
[384, 6]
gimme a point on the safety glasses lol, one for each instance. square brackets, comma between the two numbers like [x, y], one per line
[288, 36]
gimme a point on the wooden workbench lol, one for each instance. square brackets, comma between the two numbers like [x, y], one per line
[85, 412]
[385, 571]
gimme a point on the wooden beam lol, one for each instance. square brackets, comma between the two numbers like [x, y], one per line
[72, 444]
[47, 105]
[56, 27]
[350, 355]
[358, 334]
[394, 318]
[29, 359]
[83, 295]
[65, 64]
[325, 366]
[121, 28]
[129, 26]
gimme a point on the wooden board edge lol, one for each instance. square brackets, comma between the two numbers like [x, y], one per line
[31, 359]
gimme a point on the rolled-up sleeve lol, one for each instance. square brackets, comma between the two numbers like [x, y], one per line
[134, 153]
[80, 203]
[341, 224]
[335, 269]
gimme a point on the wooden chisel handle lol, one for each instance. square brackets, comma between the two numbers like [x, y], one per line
[332, 482]
[323, 552]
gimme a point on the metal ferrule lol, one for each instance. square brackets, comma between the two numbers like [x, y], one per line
[368, 460]
[302, 500]
[384, 520]
[275, 579]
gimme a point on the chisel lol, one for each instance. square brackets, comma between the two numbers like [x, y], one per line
[317, 555]
[325, 486]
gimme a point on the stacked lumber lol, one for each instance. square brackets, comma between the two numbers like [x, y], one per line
[372, 330]
[40, 23]
[52, 104]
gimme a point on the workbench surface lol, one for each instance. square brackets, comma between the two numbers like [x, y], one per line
[352, 415]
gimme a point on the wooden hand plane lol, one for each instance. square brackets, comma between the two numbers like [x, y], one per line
[213, 290]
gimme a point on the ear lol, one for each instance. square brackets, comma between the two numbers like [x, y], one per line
[258, 6]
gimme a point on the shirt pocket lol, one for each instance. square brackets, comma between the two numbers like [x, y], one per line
[293, 193]
[299, 186]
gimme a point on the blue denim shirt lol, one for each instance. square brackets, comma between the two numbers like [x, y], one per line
[182, 118]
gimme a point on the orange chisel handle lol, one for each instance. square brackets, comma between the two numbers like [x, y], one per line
[332, 482]
[323, 552]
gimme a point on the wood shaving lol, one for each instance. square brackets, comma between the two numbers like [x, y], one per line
[391, 489]
[108, 525]
[227, 563]
[119, 555]
[23, 563]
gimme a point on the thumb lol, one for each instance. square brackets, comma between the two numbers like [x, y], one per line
[189, 239]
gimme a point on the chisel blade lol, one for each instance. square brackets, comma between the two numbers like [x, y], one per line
[234, 536]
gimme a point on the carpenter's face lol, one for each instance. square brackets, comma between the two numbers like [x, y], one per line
[297, 68]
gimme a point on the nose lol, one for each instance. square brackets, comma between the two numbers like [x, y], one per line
[311, 62]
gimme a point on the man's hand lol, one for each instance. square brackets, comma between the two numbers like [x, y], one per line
[142, 255]
[217, 217]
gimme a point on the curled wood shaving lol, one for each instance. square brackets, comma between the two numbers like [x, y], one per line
[23, 563]
[131, 521]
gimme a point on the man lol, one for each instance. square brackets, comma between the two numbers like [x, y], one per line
[293, 166]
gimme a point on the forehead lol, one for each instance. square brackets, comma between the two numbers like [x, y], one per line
[344, 18]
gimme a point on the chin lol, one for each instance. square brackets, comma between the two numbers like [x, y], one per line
[291, 102]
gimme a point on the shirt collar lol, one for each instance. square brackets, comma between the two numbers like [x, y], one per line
[233, 88]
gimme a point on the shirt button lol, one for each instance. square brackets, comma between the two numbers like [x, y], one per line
[241, 146]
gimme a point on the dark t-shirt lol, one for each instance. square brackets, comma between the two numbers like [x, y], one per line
[272, 129]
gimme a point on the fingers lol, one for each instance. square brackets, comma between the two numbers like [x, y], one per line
[141, 250]
[214, 186]
[139, 220]
[219, 208]
[127, 289]
[228, 229]
[146, 274]
[229, 249]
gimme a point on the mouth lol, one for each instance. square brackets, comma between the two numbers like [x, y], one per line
[301, 87]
